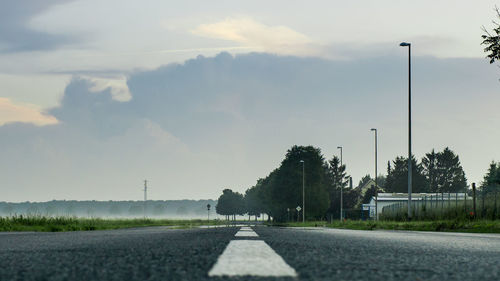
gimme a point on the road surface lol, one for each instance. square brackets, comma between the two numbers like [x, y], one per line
[257, 253]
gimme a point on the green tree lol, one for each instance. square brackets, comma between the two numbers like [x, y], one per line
[430, 166]
[338, 180]
[371, 192]
[230, 203]
[491, 181]
[115, 209]
[492, 40]
[444, 172]
[285, 184]
[450, 176]
[397, 179]
[135, 210]
[159, 209]
[252, 202]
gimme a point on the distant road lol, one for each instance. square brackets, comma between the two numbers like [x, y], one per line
[160, 253]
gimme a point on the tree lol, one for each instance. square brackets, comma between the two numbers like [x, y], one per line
[285, 184]
[491, 181]
[429, 164]
[381, 180]
[115, 209]
[371, 192]
[159, 209]
[397, 179]
[230, 203]
[450, 176]
[337, 181]
[444, 172]
[135, 210]
[253, 204]
[492, 40]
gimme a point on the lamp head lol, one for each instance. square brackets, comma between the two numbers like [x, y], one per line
[404, 44]
[339, 147]
[373, 129]
[301, 161]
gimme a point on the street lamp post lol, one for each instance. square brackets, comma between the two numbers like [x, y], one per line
[405, 44]
[341, 191]
[303, 192]
[376, 175]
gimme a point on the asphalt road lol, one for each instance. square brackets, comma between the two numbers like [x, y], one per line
[190, 254]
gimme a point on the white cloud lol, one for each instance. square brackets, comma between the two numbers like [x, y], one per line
[26, 113]
[117, 86]
[275, 39]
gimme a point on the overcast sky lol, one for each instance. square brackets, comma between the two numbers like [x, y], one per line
[197, 96]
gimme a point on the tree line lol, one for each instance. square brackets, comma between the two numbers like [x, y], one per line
[279, 193]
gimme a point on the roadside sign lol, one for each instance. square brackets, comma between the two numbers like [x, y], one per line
[298, 208]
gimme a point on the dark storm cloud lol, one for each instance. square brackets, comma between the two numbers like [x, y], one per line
[17, 36]
[229, 119]
[209, 97]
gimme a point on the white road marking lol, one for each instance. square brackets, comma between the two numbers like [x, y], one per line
[246, 233]
[250, 257]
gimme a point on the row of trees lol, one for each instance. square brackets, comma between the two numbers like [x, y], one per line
[437, 172]
[281, 191]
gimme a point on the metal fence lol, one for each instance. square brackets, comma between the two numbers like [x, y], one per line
[476, 204]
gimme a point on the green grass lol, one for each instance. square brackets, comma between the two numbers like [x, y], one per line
[475, 226]
[54, 224]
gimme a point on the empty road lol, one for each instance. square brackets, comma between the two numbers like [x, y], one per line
[259, 253]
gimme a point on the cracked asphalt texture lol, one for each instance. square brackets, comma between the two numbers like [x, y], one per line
[160, 253]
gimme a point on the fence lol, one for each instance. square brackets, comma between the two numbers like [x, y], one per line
[478, 204]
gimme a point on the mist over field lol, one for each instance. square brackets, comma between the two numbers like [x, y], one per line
[159, 209]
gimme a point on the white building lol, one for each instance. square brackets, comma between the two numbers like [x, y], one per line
[388, 199]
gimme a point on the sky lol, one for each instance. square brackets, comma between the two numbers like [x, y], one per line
[198, 96]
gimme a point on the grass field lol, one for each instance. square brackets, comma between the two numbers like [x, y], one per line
[475, 226]
[53, 224]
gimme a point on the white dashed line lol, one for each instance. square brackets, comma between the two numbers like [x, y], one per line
[246, 232]
[251, 258]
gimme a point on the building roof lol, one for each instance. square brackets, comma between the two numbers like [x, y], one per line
[419, 196]
[367, 185]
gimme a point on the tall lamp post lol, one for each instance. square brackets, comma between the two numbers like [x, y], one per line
[405, 44]
[341, 199]
[303, 192]
[376, 175]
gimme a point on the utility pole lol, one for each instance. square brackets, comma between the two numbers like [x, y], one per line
[145, 196]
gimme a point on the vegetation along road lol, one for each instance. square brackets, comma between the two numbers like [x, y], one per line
[259, 252]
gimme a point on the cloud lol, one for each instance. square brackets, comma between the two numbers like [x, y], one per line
[11, 112]
[16, 35]
[224, 121]
[275, 39]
